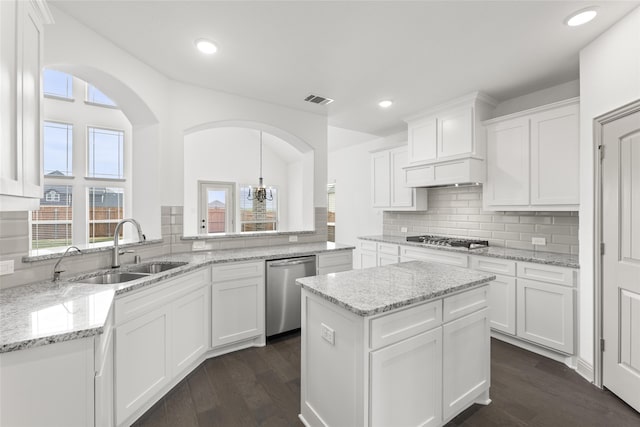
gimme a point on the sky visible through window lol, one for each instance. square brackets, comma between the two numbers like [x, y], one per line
[95, 96]
[57, 83]
[58, 142]
[106, 153]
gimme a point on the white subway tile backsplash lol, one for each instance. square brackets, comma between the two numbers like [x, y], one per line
[458, 212]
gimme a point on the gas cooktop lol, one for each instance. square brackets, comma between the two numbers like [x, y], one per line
[449, 241]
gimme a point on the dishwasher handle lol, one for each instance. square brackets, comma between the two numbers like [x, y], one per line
[289, 262]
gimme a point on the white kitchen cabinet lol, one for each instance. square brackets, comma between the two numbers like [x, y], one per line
[414, 366]
[237, 303]
[367, 254]
[21, 106]
[533, 159]
[143, 366]
[447, 144]
[190, 328]
[502, 292]
[466, 365]
[388, 188]
[104, 375]
[50, 385]
[334, 262]
[152, 351]
[413, 253]
[387, 254]
[546, 314]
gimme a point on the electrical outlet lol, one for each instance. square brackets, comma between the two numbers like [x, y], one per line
[539, 241]
[6, 267]
[199, 245]
[327, 334]
[403, 229]
[293, 238]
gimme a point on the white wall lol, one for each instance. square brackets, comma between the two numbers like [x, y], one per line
[549, 95]
[350, 170]
[609, 78]
[161, 110]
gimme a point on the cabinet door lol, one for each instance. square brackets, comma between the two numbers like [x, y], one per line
[455, 134]
[502, 304]
[401, 196]
[237, 310]
[31, 64]
[368, 259]
[143, 367]
[190, 328]
[508, 163]
[555, 155]
[384, 259]
[380, 179]
[422, 140]
[545, 314]
[413, 366]
[465, 361]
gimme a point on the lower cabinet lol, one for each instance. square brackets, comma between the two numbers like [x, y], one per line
[545, 314]
[190, 324]
[237, 303]
[414, 366]
[334, 262]
[502, 297]
[367, 254]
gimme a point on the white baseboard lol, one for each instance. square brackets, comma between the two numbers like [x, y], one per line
[585, 369]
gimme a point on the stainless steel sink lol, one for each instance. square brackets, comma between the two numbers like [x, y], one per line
[155, 267]
[112, 278]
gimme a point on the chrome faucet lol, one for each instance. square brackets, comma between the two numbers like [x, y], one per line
[115, 259]
[56, 272]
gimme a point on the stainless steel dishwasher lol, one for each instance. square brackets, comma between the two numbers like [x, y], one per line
[283, 293]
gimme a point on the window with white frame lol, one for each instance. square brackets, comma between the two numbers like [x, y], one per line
[81, 209]
[57, 84]
[258, 215]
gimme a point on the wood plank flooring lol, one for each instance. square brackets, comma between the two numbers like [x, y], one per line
[261, 387]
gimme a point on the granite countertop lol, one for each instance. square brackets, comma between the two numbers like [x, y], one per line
[380, 289]
[45, 312]
[539, 257]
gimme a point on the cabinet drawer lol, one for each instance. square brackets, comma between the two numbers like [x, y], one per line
[366, 245]
[493, 265]
[467, 302]
[388, 249]
[237, 270]
[145, 300]
[443, 257]
[335, 259]
[390, 329]
[547, 273]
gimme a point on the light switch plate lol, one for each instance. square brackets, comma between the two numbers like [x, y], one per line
[6, 267]
[403, 229]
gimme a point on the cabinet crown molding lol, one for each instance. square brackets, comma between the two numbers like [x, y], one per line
[463, 100]
[533, 110]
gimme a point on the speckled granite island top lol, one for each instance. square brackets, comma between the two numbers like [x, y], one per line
[380, 289]
[44, 313]
[539, 257]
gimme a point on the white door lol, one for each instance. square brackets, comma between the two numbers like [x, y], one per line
[621, 261]
[215, 204]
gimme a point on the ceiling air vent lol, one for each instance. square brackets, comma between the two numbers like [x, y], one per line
[316, 99]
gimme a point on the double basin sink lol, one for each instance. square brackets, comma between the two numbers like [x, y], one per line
[133, 272]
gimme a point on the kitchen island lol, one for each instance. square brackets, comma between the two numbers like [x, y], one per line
[404, 345]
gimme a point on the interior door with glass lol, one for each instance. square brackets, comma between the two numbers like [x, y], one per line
[216, 207]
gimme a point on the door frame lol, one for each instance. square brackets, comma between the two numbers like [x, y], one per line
[598, 125]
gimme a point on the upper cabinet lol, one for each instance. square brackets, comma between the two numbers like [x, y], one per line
[533, 159]
[388, 188]
[447, 144]
[21, 32]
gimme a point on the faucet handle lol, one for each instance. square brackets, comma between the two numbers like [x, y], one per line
[122, 252]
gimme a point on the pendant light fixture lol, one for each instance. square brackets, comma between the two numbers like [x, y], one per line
[260, 193]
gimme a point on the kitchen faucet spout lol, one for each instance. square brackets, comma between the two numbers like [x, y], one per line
[56, 272]
[115, 259]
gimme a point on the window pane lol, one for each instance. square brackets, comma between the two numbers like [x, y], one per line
[51, 224]
[216, 211]
[57, 83]
[258, 216]
[106, 158]
[95, 96]
[106, 209]
[57, 142]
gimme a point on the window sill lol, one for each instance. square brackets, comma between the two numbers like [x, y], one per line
[54, 253]
[97, 104]
[246, 234]
[59, 98]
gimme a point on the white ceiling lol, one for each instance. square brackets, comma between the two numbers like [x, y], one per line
[419, 53]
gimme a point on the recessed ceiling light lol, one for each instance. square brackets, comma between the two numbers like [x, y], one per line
[581, 17]
[207, 47]
[386, 103]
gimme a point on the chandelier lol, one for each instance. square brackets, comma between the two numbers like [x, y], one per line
[260, 193]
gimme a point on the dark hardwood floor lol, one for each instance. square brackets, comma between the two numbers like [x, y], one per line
[261, 387]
